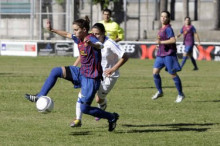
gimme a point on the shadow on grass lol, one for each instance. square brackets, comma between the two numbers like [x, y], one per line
[80, 133]
[171, 127]
[152, 87]
[209, 101]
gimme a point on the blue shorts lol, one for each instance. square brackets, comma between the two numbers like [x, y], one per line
[89, 86]
[170, 62]
[188, 49]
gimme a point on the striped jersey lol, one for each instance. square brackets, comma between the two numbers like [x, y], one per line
[166, 33]
[188, 35]
[111, 53]
[90, 57]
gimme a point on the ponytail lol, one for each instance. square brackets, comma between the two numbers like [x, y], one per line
[83, 23]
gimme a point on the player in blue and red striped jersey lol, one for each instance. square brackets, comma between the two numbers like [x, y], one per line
[189, 31]
[87, 77]
[166, 57]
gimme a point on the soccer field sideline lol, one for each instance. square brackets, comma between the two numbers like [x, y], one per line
[142, 121]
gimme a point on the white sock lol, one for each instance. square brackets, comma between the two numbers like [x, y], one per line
[78, 111]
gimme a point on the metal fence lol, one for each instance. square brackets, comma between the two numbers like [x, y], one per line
[26, 19]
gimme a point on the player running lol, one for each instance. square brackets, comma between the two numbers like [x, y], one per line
[112, 59]
[189, 31]
[166, 57]
[87, 77]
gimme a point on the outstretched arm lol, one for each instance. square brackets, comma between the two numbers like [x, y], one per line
[59, 32]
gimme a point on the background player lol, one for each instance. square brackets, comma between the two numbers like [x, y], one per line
[189, 31]
[166, 57]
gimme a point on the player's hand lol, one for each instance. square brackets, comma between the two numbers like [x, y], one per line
[87, 42]
[108, 72]
[157, 41]
[48, 25]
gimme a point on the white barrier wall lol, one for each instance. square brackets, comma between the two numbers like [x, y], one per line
[142, 50]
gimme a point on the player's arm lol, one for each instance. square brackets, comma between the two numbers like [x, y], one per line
[94, 42]
[178, 35]
[120, 62]
[77, 62]
[197, 38]
[59, 32]
[120, 34]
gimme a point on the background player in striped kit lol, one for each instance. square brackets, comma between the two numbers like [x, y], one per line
[166, 57]
[189, 31]
[87, 77]
[112, 59]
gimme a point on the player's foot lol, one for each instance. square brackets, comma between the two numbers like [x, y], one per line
[112, 123]
[196, 68]
[157, 95]
[179, 98]
[103, 107]
[32, 98]
[76, 123]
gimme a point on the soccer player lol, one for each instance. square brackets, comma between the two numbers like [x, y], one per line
[112, 59]
[189, 31]
[113, 30]
[88, 76]
[166, 57]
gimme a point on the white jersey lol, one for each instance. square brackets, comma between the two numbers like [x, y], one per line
[111, 53]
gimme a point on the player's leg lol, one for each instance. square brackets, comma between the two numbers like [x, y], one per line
[106, 86]
[88, 91]
[173, 66]
[55, 73]
[158, 65]
[187, 50]
[193, 61]
[78, 121]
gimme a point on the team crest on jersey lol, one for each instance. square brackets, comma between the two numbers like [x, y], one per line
[82, 52]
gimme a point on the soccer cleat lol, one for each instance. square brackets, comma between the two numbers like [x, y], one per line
[179, 98]
[157, 95]
[76, 123]
[196, 68]
[112, 123]
[32, 98]
[103, 107]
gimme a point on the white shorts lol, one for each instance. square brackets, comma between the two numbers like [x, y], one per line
[106, 86]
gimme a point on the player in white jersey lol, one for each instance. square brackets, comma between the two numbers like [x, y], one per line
[112, 59]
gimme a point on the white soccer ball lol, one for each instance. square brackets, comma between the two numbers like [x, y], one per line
[44, 104]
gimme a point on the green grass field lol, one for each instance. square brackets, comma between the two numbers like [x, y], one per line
[195, 121]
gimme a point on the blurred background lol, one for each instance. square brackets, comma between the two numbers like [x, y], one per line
[26, 19]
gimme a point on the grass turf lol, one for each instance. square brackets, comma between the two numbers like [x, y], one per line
[142, 121]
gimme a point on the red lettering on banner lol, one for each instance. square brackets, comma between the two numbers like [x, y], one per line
[29, 47]
[147, 52]
[205, 53]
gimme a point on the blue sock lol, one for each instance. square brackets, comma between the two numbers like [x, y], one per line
[158, 82]
[178, 84]
[51, 80]
[194, 62]
[96, 112]
[184, 61]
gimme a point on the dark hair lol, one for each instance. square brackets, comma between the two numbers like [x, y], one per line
[83, 23]
[100, 27]
[187, 17]
[107, 10]
[168, 14]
